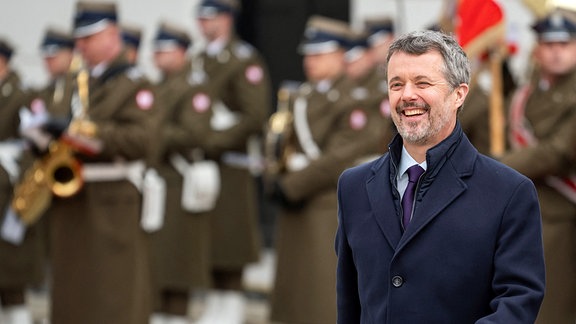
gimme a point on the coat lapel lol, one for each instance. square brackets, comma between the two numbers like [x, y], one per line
[445, 188]
[380, 197]
[446, 184]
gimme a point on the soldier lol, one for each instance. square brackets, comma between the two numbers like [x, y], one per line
[238, 79]
[542, 122]
[47, 114]
[99, 250]
[180, 249]
[20, 248]
[53, 101]
[329, 133]
[380, 30]
[370, 88]
[131, 35]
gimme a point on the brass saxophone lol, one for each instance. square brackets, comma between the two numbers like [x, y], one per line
[58, 172]
[278, 134]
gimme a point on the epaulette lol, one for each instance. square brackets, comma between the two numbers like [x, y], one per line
[243, 50]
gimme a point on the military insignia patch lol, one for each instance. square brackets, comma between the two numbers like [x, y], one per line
[201, 102]
[144, 99]
[254, 74]
[358, 119]
[385, 108]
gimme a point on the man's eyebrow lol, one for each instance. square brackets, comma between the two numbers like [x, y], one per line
[422, 77]
[417, 78]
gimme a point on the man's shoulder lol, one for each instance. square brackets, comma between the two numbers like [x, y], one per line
[366, 170]
[493, 170]
[243, 53]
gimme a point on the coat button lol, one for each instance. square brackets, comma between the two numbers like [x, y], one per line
[397, 281]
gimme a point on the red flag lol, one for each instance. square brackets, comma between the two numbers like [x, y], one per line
[479, 25]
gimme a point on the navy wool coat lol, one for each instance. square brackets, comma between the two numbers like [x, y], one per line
[471, 254]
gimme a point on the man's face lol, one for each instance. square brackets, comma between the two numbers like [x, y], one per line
[556, 58]
[99, 47]
[424, 105]
[323, 66]
[214, 27]
[171, 60]
[360, 67]
[380, 50]
[59, 63]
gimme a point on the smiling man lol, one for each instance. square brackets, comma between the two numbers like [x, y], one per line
[433, 231]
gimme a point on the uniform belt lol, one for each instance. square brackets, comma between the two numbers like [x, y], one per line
[236, 159]
[241, 160]
[115, 171]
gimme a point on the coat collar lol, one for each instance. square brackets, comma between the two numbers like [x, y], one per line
[448, 163]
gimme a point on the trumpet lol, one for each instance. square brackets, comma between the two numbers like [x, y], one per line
[59, 172]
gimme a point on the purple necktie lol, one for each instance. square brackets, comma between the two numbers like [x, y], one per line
[414, 173]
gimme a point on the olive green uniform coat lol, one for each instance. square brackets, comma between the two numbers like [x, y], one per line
[239, 79]
[100, 261]
[305, 285]
[474, 119]
[371, 92]
[551, 114]
[181, 248]
[20, 265]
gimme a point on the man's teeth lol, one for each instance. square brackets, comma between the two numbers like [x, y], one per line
[412, 112]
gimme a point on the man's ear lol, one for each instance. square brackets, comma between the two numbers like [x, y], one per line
[461, 93]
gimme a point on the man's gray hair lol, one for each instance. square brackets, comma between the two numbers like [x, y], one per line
[456, 63]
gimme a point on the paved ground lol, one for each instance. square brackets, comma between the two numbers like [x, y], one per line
[258, 279]
[256, 311]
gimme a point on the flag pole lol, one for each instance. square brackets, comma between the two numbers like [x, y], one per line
[496, 109]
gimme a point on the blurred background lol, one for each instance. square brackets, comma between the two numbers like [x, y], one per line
[273, 26]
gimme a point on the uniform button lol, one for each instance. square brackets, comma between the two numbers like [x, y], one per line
[397, 281]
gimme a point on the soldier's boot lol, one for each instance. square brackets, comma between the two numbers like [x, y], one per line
[17, 315]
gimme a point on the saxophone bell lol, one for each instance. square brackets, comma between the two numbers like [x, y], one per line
[64, 171]
[59, 172]
[56, 174]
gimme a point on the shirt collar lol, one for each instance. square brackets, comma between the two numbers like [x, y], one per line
[407, 161]
[98, 70]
